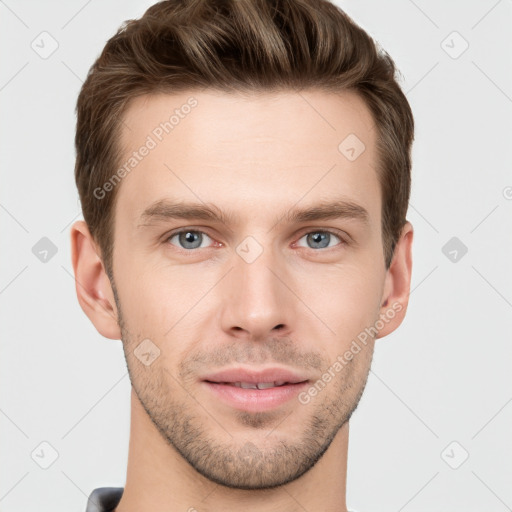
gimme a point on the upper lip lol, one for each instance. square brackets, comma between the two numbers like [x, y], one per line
[255, 376]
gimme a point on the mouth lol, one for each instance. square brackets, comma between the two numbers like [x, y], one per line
[253, 389]
[257, 385]
[255, 396]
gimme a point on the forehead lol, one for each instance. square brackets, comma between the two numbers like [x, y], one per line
[248, 151]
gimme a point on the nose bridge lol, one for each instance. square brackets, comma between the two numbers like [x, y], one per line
[257, 299]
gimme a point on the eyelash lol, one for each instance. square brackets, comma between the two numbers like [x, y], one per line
[343, 241]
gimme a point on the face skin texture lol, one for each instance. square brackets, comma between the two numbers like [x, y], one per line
[298, 305]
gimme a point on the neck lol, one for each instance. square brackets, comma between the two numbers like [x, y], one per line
[159, 479]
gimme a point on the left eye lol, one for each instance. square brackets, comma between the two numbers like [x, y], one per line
[193, 239]
[320, 239]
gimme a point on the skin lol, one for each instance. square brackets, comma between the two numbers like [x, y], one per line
[299, 305]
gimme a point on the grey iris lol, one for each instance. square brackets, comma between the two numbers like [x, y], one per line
[187, 237]
[319, 238]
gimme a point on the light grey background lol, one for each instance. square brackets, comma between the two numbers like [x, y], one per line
[440, 386]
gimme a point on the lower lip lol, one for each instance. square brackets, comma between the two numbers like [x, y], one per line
[255, 400]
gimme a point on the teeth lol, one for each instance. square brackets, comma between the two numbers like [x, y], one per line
[259, 385]
[266, 385]
[248, 385]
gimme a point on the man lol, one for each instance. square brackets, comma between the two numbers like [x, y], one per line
[244, 173]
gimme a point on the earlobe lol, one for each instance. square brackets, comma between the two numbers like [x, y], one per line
[398, 283]
[92, 284]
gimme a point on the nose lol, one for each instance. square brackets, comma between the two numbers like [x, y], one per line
[256, 302]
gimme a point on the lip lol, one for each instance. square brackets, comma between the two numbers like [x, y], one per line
[241, 374]
[255, 400]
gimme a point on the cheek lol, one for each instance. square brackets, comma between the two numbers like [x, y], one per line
[167, 303]
[346, 299]
[151, 298]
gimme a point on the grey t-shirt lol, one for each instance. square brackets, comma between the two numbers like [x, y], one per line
[106, 499]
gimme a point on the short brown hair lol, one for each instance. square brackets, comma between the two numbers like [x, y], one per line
[238, 46]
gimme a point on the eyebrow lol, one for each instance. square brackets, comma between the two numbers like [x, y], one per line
[165, 209]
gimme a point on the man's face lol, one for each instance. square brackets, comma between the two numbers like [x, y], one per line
[256, 290]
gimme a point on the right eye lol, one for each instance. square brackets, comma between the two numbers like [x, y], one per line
[188, 239]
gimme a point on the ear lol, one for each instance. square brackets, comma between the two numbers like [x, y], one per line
[395, 297]
[92, 284]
